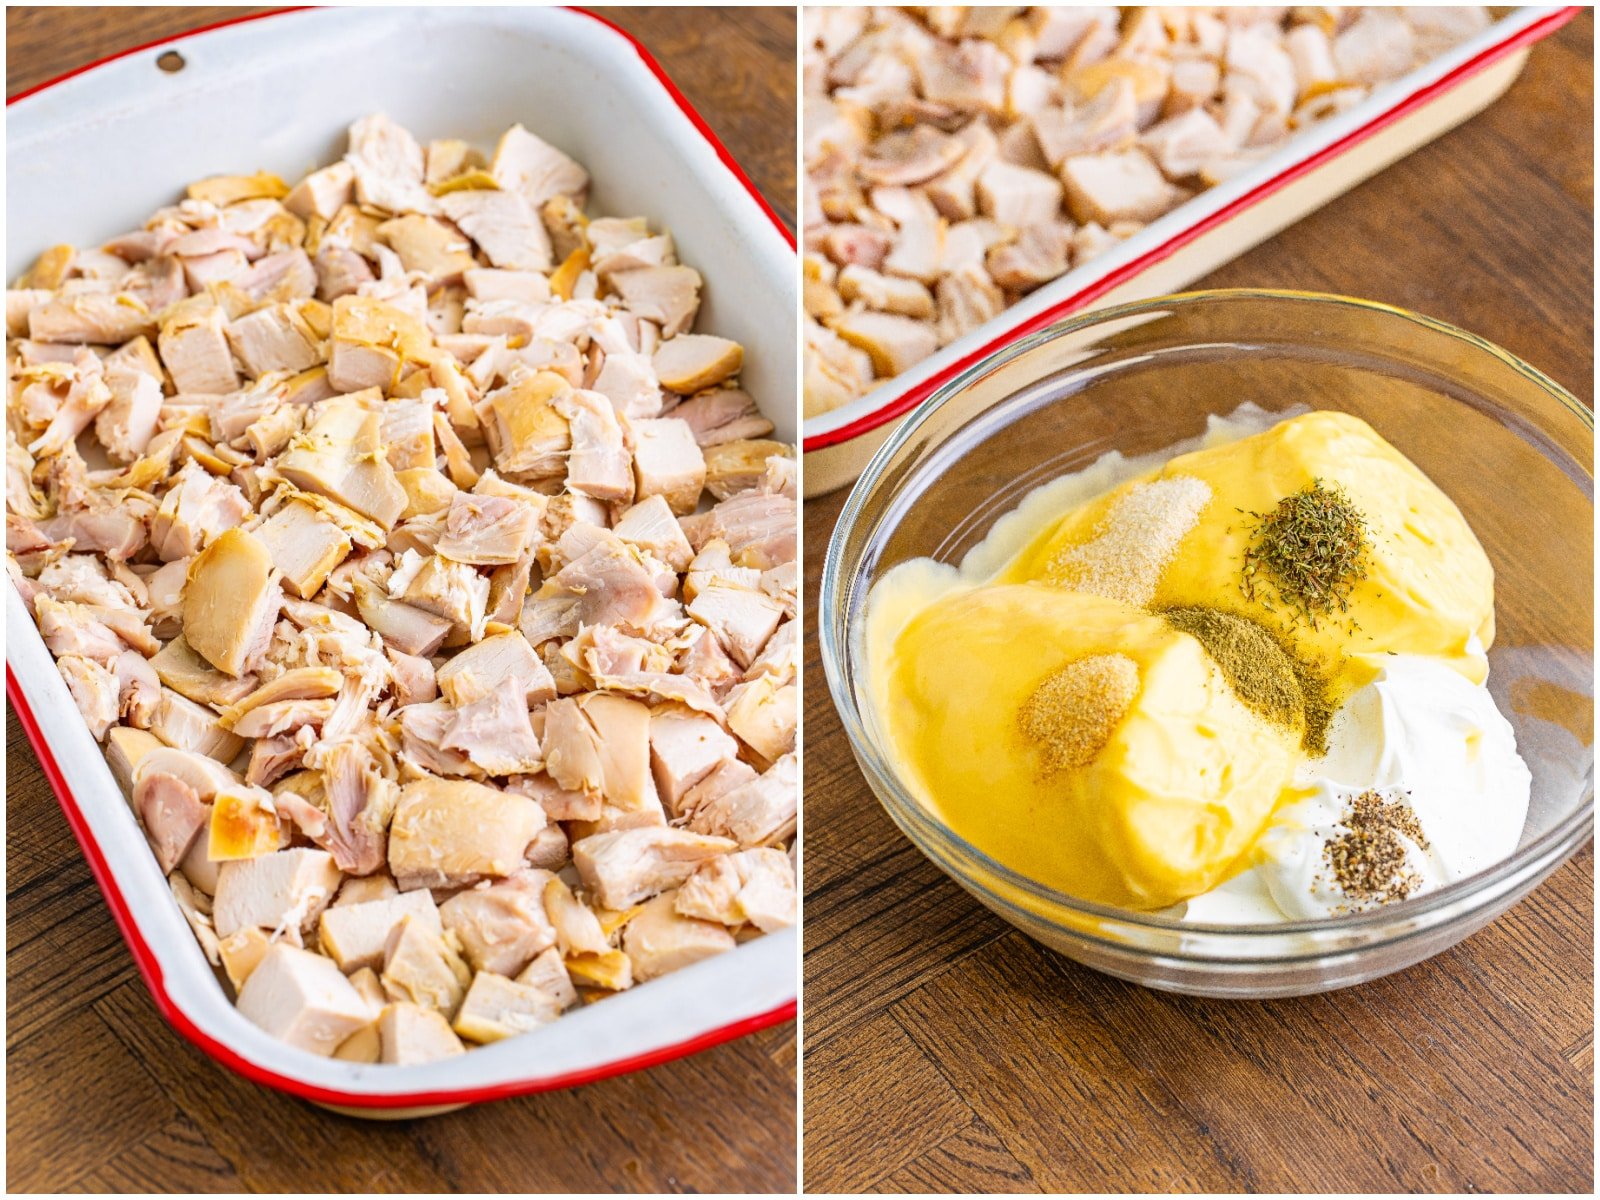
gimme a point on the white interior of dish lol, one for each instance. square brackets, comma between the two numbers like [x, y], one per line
[1186, 216]
[95, 155]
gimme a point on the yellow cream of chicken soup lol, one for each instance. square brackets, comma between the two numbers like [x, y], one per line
[1085, 742]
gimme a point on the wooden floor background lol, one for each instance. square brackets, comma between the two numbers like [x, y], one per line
[945, 1051]
[104, 1096]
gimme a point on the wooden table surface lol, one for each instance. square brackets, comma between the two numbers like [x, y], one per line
[104, 1096]
[946, 1051]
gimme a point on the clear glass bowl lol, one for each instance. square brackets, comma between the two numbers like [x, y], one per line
[1510, 447]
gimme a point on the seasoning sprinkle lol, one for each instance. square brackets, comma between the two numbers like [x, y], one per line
[1252, 662]
[1370, 862]
[1072, 714]
[1311, 550]
[1264, 672]
[1134, 542]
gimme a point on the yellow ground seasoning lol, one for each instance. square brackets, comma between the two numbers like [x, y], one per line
[1134, 542]
[1071, 714]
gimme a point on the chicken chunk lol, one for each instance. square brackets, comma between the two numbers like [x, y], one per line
[453, 832]
[684, 747]
[283, 892]
[662, 939]
[504, 225]
[751, 886]
[301, 999]
[667, 462]
[496, 1007]
[231, 602]
[693, 361]
[410, 1034]
[501, 926]
[631, 865]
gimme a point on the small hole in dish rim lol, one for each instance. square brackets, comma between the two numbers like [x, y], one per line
[171, 62]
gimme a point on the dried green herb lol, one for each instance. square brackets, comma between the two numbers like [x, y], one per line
[1308, 553]
[1265, 673]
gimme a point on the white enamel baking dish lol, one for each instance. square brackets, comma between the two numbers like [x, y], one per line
[1205, 232]
[93, 154]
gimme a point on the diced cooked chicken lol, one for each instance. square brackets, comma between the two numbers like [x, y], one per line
[94, 691]
[733, 467]
[893, 342]
[917, 120]
[501, 926]
[359, 800]
[283, 892]
[86, 397]
[504, 225]
[622, 728]
[196, 510]
[741, 619]
[753, 887]
[301, 998]
[304, 545]
[669, 296]
[194, 349]
[94, 318]
[126, 747]
[549, 975]
[357, 935]
[242, 953]
[631, 865]
[487, 530]
[667, 462]
[496, 1008]
[408, 539]
[528, 436]
[608, 584]
[526, 163]
[231, 602]
[758, 527]
[763, 713]
[1108, 188]
[504, 663]
[128, 421]
[244, 824]
[323, 192]
[692, 361]
[388, 166]
[422, 967]
[599, 465]
[340, 456]
[684, 748]
[651, 526]
[722, 415]
[411, 1034]
[452, 832]
[757, 813]
[185, 725]
[274, 338]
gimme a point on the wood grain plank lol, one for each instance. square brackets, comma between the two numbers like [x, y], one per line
[176, 1150]
[1006, 1024]
[105, 1096]
[1470, 1071]
[845, 1139]
[73, 1102]
[970, 1160]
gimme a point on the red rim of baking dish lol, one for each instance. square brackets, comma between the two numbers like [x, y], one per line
[131, 934]
[916, 394]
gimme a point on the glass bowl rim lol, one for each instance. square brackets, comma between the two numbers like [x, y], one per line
[1402, 920]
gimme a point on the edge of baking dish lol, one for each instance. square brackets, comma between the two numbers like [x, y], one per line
[1164, 237]
[754, 984]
